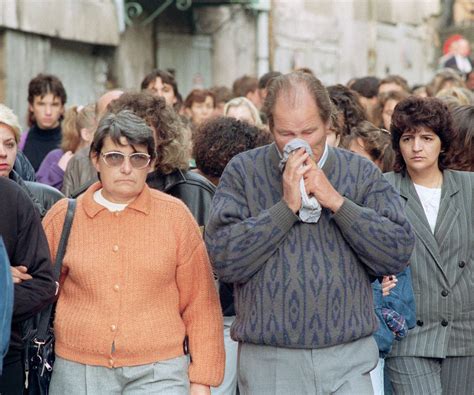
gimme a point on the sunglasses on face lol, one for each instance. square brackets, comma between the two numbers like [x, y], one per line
[138, 160]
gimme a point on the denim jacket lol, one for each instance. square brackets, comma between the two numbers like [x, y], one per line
[6, 302]
[401, 300]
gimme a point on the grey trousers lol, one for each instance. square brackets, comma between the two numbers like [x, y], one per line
[341, 369]
[229, 384]
[168, 377]
[434, 376]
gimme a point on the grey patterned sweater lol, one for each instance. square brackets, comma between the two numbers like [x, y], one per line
[304, 285]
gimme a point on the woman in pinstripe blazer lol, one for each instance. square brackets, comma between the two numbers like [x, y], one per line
[437, 356]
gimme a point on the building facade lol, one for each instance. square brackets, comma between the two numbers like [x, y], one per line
[94, 45]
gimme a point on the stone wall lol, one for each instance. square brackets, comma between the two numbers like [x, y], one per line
[343, 39]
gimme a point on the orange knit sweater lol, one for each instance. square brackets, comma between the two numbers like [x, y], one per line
[135, 283]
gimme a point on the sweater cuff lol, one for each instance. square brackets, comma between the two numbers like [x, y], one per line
[282, 216]
[347, 214]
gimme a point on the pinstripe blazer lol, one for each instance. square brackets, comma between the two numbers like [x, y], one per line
[442, 266]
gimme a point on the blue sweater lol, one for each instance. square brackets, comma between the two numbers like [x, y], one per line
[305, 285]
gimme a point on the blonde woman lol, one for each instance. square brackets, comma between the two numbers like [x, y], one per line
[243, 109]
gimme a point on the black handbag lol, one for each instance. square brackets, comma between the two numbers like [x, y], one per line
[40, 341]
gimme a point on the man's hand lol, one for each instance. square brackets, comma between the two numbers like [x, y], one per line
[295, 167]
[318, 185]
[19, 274]
[199, 389]
[388, 282]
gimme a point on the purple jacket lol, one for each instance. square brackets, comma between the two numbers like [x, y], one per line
[49, 172]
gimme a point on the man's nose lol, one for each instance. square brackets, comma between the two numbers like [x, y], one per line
[48, 109]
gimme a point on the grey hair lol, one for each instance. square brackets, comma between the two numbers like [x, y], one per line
[123, 124]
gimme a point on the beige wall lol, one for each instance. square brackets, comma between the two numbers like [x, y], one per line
[342, 39]
[79, 20]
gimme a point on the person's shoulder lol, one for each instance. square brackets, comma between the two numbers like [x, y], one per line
[462, 177]
[13, 192]
[197, 180]
[391, 176]
[81, 156]
[55, 153]
[253, 157]
[162, 198]
[253, 153]
[353, 162]
[51, 158]
[170, 206]
[55, 213]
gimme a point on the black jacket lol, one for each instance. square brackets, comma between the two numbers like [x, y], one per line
[26, 244]
[23, 167]
[193, 189]
[42, 195]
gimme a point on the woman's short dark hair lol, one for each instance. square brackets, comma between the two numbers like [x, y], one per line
[123, 124]
[218, 140]
[414, 112]
[292, 82]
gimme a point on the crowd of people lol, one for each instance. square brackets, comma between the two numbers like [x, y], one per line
[277, 237]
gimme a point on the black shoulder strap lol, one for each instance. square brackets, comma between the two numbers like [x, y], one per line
[46, 314]
[71, 208]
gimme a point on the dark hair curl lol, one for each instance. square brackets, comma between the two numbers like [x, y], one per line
[218, 140]
[462, 149]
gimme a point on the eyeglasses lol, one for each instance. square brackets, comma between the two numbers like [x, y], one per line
[138, 160]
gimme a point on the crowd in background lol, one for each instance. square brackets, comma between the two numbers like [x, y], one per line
[181, 146]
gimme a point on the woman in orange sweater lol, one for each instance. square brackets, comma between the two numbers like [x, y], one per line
[136, 291]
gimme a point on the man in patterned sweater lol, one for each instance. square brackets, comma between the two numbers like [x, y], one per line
[303, 298]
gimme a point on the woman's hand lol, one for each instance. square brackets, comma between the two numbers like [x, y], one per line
[388, 283]
[199, 389]
[19, 274]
